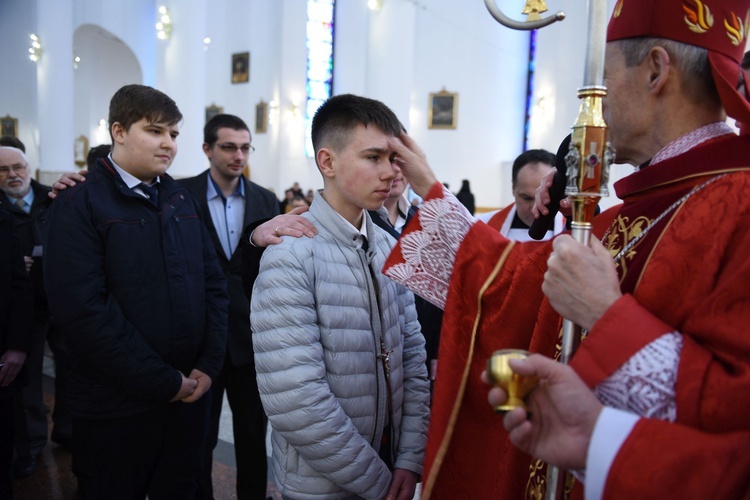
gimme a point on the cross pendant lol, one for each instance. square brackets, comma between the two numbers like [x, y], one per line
[386, 357]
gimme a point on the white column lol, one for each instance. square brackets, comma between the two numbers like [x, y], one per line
[391, 57]
[293, 163]
[55, 85]
[181, 75]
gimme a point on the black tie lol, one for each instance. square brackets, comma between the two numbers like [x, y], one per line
[151, 192]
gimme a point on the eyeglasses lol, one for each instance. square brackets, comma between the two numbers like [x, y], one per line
[17, 169]
[229, 147]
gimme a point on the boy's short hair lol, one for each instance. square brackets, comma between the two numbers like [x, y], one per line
[134, 102]
[211, 129]
[339, 115]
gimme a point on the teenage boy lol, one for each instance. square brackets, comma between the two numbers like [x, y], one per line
[339, 355]
[133, 280]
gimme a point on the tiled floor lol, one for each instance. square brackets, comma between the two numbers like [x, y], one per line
[54, 480]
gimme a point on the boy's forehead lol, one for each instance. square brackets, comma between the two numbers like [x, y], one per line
[370, 137]
[162, 123]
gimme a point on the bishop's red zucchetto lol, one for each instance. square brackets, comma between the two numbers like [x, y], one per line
[720, 26]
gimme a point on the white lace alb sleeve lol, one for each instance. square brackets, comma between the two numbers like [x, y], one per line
[429, 253]
[645, 384]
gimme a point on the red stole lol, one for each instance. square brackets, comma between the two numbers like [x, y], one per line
[497, 220]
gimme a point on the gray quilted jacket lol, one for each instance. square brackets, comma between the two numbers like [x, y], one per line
[316, 336]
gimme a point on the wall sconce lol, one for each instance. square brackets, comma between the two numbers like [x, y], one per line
[76, 60]
[102, 132]
[273, 112]
[164, 26]
[35, 51]
[375, 5]
[295, 110]
[542, 105]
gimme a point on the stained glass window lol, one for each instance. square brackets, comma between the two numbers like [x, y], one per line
[529, 89]
[320, 15]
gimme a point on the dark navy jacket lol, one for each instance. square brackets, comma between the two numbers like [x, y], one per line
[137, 290]
[15, 296]
[31, 228]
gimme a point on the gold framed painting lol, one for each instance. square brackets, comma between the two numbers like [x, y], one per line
[81, 150]
[241, 67]
[443, 110]
[261, 117]
[212, 111]
[9, 126]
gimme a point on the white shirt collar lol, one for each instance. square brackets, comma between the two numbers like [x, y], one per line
[362, 229]
[129, 180]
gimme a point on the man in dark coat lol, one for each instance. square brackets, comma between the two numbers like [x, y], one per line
[27, 201]
[15, 311]
[230, 203]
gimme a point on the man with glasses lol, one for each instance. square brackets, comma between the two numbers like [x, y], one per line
[230, 203]
[27, 201]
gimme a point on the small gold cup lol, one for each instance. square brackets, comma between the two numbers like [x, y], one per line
[515, 386]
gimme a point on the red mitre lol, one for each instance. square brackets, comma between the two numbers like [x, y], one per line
[721, 26]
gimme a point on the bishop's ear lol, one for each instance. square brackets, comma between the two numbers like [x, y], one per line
[659, 68]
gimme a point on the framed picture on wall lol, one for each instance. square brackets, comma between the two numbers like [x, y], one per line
[9, 126]
[241, 67]
[81, 150]
[443, 110]
[261, 117]
[212, 111]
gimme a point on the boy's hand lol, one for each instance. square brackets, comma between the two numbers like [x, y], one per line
[289, 224]
[186, 389]
[203, 385]
[67, 180]
[403, 485]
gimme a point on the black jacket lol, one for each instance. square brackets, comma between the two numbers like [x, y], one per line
[31, 227]
[15, 295]
[260, 205]
[138, 292]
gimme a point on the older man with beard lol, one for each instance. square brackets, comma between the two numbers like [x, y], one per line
[27, 201]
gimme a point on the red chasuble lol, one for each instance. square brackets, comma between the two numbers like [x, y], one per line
[497, 220]
[688, 272]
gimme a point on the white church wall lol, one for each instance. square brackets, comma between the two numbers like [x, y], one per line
[18, 98]
[398, 55]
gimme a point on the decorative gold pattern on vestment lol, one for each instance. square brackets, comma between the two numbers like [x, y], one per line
[536, 486]
[619, 234]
